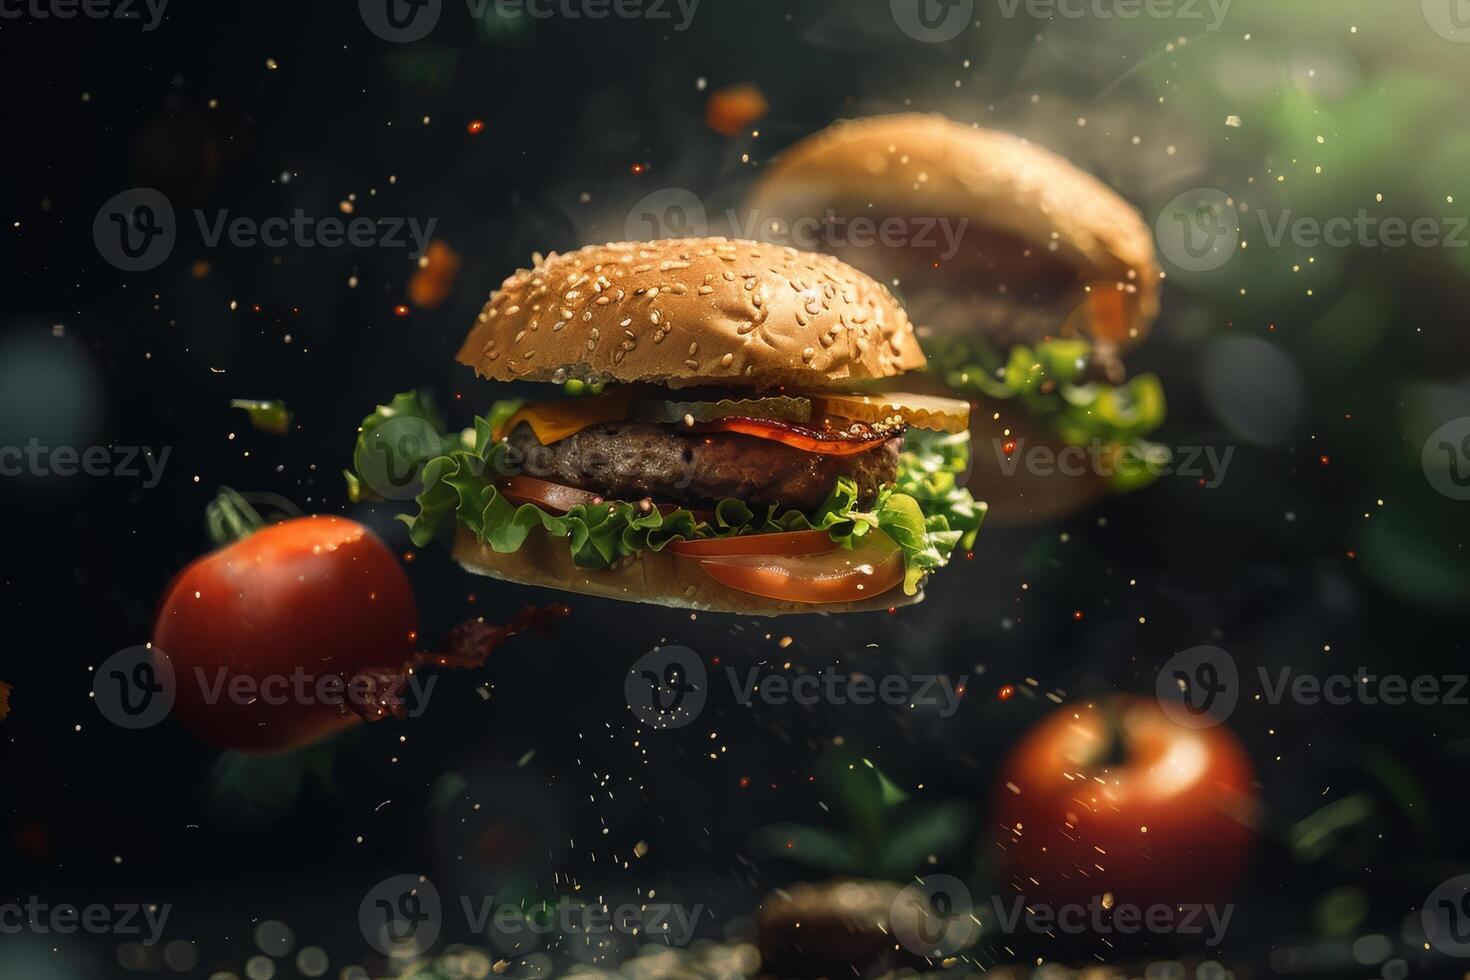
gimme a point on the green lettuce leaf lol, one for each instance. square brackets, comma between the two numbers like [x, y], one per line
[1047, 379]
[927, 512]
[408, 404]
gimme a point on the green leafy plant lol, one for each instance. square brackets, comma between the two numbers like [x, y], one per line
[888, 836]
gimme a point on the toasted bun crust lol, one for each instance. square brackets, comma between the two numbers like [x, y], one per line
[691, 311]
[661, 578]
[929, 166]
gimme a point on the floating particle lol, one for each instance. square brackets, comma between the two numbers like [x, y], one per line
[731, 111]
[274, 938]
[1232, 121]
[400, 310]
[435, 276]
[268, 416]
[312, 961]
[476, 127]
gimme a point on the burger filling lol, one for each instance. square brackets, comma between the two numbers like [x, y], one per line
[633, 460]
[632, 470]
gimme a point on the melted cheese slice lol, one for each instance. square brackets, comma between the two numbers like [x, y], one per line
[554, 421]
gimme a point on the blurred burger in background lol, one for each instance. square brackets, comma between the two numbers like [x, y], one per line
[1028, 278]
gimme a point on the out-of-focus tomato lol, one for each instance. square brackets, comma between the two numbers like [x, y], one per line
[1117, 798]
[313, 596]
[871, 568]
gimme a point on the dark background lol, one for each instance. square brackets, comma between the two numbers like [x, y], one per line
[1292, 555]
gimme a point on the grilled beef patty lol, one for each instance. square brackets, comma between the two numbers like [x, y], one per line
[632, 460]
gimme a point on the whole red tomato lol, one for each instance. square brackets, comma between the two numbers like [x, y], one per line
[1117, 798]
[286, 608]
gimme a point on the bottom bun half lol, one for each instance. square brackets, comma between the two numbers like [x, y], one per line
[657, 577]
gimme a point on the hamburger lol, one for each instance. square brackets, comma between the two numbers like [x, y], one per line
[721, 440]
[1042, 279]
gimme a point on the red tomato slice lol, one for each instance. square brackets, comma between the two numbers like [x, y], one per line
[785, 543]
[549, 496]
[871, 568]
[822, 442]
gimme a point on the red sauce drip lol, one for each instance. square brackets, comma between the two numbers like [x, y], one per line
[466, 646]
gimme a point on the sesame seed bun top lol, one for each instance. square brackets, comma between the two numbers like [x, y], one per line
[1036, 216]
[689, 311]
